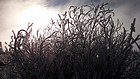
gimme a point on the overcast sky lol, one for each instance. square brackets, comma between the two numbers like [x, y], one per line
[125, 10]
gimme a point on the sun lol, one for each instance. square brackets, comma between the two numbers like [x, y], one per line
[38, 15]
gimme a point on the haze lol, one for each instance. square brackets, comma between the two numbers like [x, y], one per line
[12, 13]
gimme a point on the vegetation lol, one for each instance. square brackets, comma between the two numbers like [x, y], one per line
[84, 43]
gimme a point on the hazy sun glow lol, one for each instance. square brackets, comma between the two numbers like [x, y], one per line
[38, 15]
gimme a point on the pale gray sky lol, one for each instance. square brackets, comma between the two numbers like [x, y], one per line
[125, 10]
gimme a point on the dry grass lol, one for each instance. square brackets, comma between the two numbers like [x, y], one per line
[85, 44]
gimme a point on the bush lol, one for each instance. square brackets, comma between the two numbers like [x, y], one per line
[84, 43]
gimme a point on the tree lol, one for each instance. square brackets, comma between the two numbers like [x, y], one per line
[84, 43]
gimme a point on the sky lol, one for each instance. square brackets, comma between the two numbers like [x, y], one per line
[11, 12]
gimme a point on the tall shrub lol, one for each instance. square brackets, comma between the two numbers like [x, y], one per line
[84, 43]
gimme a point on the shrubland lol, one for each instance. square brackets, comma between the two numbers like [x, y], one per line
[84, 43]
